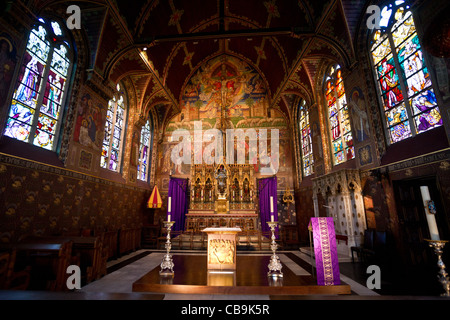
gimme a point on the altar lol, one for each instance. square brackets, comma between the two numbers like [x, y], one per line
[222, 196]
[221, 248]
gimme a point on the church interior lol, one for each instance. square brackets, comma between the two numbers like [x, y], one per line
[128, 128]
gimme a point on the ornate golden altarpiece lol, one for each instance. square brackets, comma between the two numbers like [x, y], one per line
[222, 196]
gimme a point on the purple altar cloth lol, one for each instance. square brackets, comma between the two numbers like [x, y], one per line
[325, 251]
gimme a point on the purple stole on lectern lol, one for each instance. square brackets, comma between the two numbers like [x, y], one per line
[325, 251]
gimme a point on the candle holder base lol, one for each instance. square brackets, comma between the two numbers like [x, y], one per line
[274, 264]
[443, 278]
[167, 263]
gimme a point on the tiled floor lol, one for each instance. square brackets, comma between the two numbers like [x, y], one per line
[123, 272]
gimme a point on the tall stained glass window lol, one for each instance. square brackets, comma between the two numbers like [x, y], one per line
[114, 132]
[404, 83]
[38, 100]
[338, 116]
[144, 151]
[306, 141]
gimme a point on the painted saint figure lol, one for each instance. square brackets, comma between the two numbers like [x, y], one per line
[27, 88]
[389, 84]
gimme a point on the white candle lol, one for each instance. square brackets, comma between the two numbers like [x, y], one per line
[271, 204]
[168, 217]
[170, 203]
[432, 226]
[271, 218]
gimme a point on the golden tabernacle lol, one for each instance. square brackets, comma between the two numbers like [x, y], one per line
[222, 196]
[222, 248]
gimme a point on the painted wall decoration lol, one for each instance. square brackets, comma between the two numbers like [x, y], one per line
[230, 84]
[359, 115]
[89, 123]
[227, 93]
[39, 200]
[7, 66]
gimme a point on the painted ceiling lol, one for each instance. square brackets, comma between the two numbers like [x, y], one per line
[159, 44]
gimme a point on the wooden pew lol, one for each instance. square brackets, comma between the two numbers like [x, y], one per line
[129, 240]
[110, 242]
[87, 252]
[10, 278]
[48, 262]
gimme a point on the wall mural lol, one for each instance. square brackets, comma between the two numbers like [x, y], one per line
[89, 122]
[7, 66]
[226, 93]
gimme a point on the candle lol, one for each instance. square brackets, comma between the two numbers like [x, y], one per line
[168, 217]
[271, 204]
[271, 218]
[170, 203]
[432, 226]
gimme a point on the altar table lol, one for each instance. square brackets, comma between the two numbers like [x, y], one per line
[221, 248]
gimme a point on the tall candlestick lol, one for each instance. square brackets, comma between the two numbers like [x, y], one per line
[432, 226]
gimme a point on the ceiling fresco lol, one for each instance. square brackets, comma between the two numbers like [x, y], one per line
[160, 44]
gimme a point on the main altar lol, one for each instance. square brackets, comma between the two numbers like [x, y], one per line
[222, 195]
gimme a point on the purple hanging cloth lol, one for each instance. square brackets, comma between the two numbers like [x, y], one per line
[178, 191]
[267, 188]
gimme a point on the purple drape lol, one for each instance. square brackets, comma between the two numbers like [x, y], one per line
[266, 188]
[178, 191]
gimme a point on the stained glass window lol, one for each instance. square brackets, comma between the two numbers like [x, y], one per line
[144, 152]
[404, 82]
[338, 115]
[305, 139]
[35, 112]
[114, 132]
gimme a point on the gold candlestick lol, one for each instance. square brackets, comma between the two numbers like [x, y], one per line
[438, 247]
[167, 263]
[275, 264]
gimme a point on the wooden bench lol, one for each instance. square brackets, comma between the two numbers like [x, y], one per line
[129, 240]
[10, 278]
[87, 252]
[48, 262]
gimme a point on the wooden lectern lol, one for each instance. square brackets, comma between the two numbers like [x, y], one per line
[222, 248]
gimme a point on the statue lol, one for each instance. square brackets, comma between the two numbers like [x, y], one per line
[221, 176]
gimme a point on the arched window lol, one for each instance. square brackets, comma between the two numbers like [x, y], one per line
[306, 141]
[404, 83]
[144, 151]
[339, 120]
[114, 131]
[40, 92]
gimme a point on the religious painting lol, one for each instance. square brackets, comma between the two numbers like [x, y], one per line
[85, 161]
[7, 66]
[365, 155]
[442, 71]
[225, 93]
[89, 122]
[359, 114]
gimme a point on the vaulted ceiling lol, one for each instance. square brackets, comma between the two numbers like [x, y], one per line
[158, 44]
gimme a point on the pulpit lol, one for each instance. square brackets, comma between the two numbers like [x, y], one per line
[221, 248]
